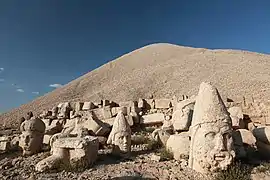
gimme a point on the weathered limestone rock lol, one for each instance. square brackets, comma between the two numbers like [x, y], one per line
[161, 136]
[211, 147]
[120, 136]
[156, 118]
[54, 112]
[111, 120]
[167, 123]
[46, 139]
[179, 145]
[32, 136]
[182, 116]
[78, 106]
[72, 151]
[251, 126]
[247, 137]
[149, 104]
[243, 140]
[52, 126]
[102, 113]
[115, 110]
[4, 143]
[163, 103]
[141, 103]
[237, 117]
[240, 151]
[262, 134]
[87, 106]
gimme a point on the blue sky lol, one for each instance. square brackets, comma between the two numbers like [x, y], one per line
[49, 42]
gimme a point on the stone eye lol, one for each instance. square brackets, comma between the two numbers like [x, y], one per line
[210, 135]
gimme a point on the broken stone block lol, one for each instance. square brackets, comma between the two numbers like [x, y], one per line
[52, 126]
[156, 118]
[161, 136]
[46, 139]
[237, 117]
[149, 104]
[262, 134]
[4, 143]
[111, 120]
[102, 113]
[251, 126]
[107, 112]
[247, 137]
[179, 145]
[115, 110]
[182, 116]
[163, 103]
[141, 103]
[97, 126]
[78, 106]
[72, 151]
[88, 106]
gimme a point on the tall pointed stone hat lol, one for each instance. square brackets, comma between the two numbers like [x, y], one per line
[209, 107]
[120, 124]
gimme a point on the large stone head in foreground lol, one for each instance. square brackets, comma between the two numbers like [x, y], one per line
[120, 136]
[211, 146]
[32, 136]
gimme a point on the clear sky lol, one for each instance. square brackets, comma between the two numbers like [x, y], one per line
[46, 43]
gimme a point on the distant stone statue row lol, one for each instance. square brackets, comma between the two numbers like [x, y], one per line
[211, 147]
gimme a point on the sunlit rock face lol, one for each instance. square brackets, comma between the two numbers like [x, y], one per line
[31, 138]
[120, 136]
[211, 146]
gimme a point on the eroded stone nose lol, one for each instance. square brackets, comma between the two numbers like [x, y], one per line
[220, 144]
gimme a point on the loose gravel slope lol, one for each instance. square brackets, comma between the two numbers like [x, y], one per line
[162, 70]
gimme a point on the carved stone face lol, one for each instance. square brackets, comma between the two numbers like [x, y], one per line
[123, 141]
[213, 146]
[31, 142]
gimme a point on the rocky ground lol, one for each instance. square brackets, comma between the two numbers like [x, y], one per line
[143, 164]
[140, 166]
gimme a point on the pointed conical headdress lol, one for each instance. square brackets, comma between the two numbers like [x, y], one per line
[120, 124]
[209, 107]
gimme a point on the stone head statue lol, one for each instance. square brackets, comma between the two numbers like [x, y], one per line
[31, 138]
[211, 146]
[29, 115]
[120, 135]
[54, 111]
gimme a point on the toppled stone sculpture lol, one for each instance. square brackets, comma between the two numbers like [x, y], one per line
[182, 116]
[120, 136]
[32, 136]
[72, 152]
[179, 145]
[211, 147]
